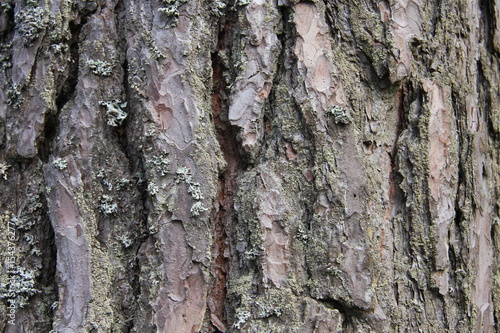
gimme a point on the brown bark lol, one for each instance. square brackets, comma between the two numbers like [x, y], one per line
[253, 166]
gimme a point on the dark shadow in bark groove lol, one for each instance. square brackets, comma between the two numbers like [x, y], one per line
[350, 313]
[224, 219]
[488, 22]
[136, 168]
[458, 256]
[48, 276]
[66, 90]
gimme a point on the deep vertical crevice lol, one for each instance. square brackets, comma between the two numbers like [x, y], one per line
[485, 95]
[487, 23]
[400, 114]
[395, 193]
[66, 90]
[224, 219]
[457, 257]
[436, 18]
[134, 159]
[288, 73]
[48, 276]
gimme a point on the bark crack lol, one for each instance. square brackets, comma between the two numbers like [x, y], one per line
[135, 160]
[224, 218]
[66, 91]
[350, 313]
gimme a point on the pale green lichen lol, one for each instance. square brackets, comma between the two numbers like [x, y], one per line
[197, 209]
[340, 115]
[123, 183]
[13, 93]
[60, 163]
[60, 48]
[153, 189]
[150, 130]
[302, 233]
[184, 173]
[30, 239]
[252, 254]
[31, 21]
[5, 61]
[107, 206]
[273, 303]
[193, 188]
[5, 7]
[218, 7]
[171, 9]
[114, 112]
[243, 2]
[159, 163]
[241, 318]
[101, 174]
[22, 222]
[3, 170]
[19, 288]
[125, 240]
[99, 67]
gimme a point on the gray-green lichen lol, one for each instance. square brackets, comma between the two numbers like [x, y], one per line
[32, 21]
[19, 288]
[99, 67]
[153, 189]
[340, 115]
[218, 8]
[125, 240]
[3, 170]
[171, 9]
[13, 94]
[197, 209]
[107, 205]
[243, 2]
[5, 61]
[159, 163]
[22, 222]
[60, 163]
[114, 112]
[193, 188]
[241, 318]
[5, 6]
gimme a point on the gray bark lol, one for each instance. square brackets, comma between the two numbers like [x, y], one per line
[249, 166]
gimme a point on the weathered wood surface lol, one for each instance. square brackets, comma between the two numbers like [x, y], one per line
[250, 165]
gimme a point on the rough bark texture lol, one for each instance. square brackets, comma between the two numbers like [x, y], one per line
[250, 165]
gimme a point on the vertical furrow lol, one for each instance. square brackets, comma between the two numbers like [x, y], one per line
[225, 216]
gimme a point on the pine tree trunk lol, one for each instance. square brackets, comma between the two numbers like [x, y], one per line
[249, 166]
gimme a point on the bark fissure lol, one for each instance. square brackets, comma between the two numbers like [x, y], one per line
[224, 219]
[135, 162]
[400, 123]
[459, 255]
[66, 90]
[48, 276]
[350, 313]
[488, 22]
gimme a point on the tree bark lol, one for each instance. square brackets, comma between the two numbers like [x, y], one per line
[250, 166]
